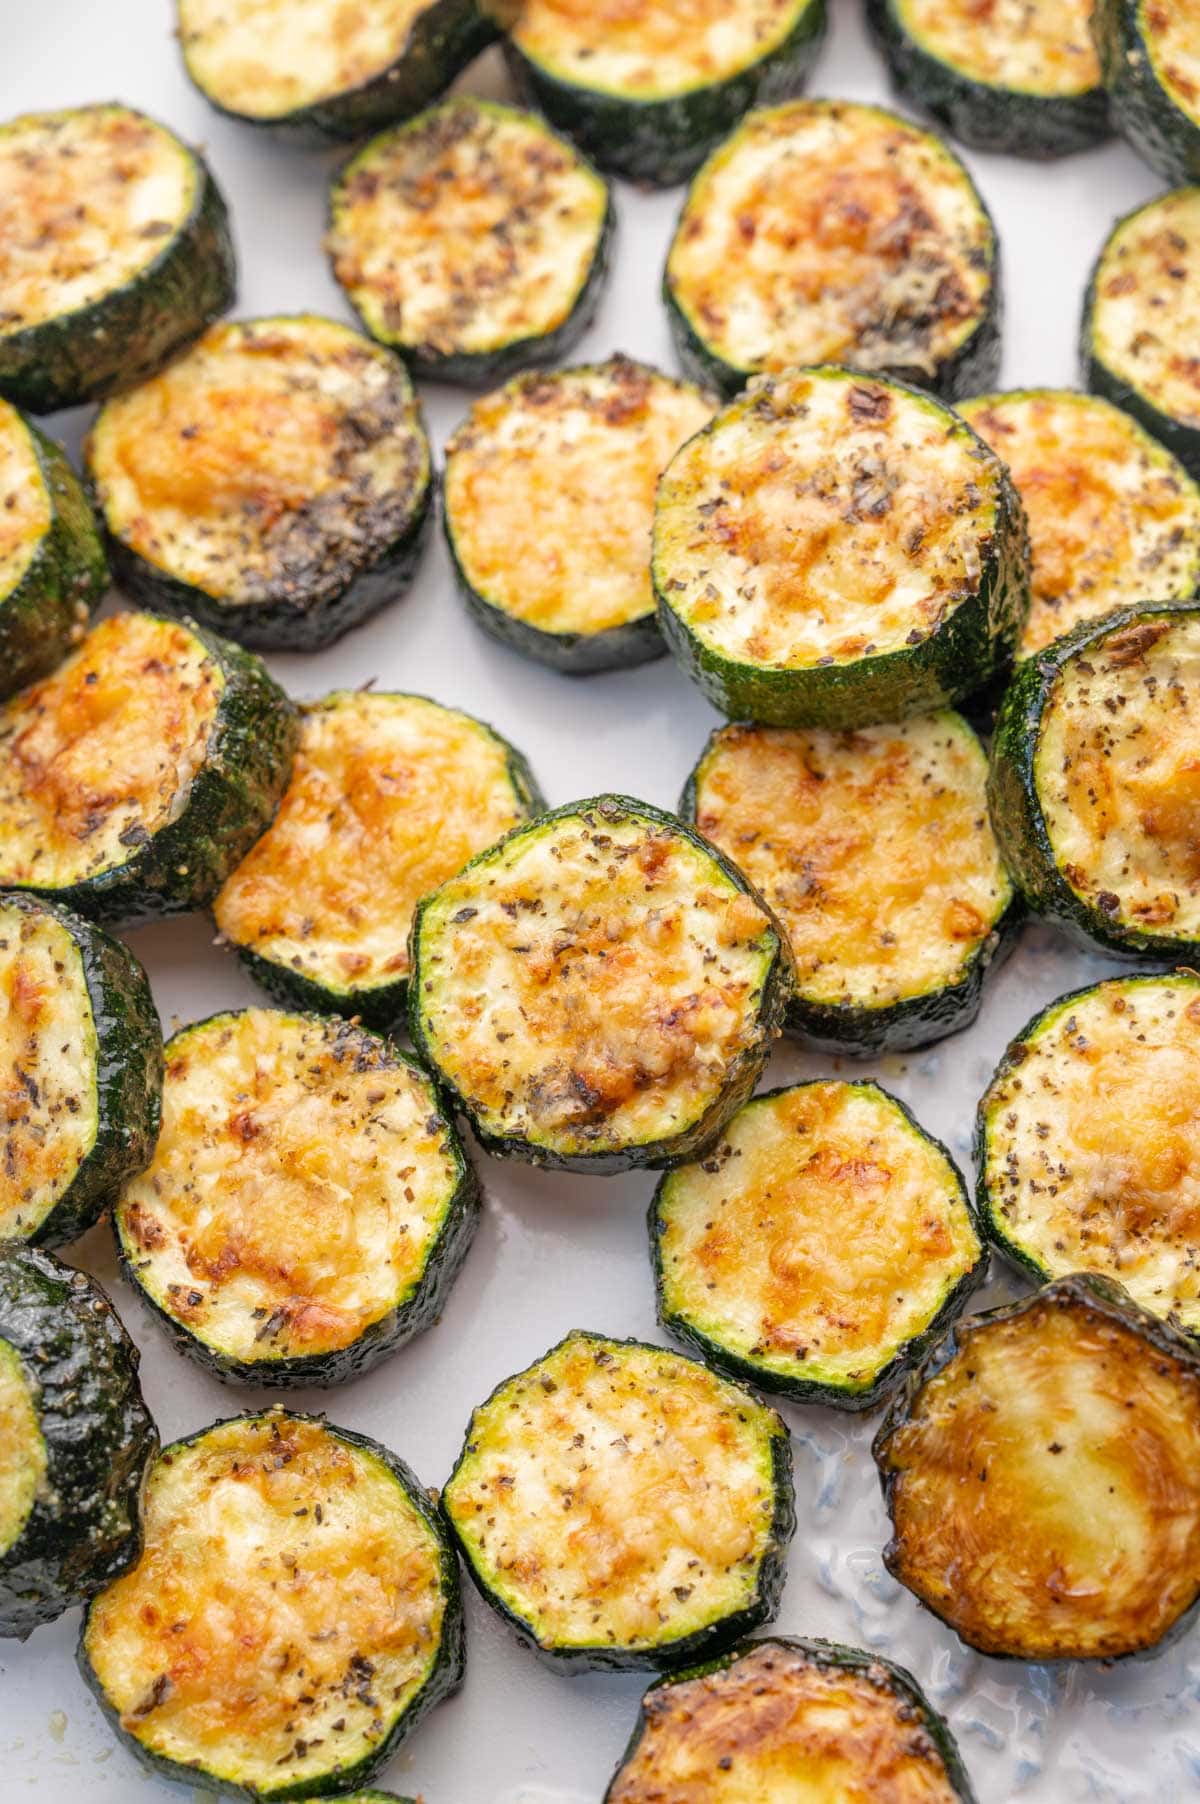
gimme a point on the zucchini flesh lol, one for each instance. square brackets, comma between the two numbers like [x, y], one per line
[1150, 55]
[23, 1474]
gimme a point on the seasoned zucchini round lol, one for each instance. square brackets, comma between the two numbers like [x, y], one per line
[598, 991]
[389, 796]
[134, 778]
[1042, 1472]
[76, 1437]
[1113, 517]
[274, 483]
[473, 240]
[874, 850]
[1150, 56]
[308, 1206]
[829, 232]
[1093, 786]
[648, 88]
[549, 500]
[818, 1247]
[790, 1720]
[114, 253]
[834, 551]
[294, 1614]
[568, 1496]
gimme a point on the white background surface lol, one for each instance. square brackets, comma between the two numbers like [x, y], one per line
[556, 1252]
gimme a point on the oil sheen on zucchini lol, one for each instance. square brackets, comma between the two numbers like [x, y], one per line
[549, 501]
[648, 88]
[623, 1507]
[599, 991]
[274, 483]
[134, 778]
[836, 550]
[294, 1614]
[829, 232]
[1150, 55]
[1042, 1473]
[874, 851]
[473, 240]
[114, 253]
[389, 796]
[308, 1205]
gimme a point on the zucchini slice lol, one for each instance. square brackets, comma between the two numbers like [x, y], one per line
[647, 89]
[1150, 56]
[874, 851]
[1094, 776]
[818, 1247]
[568, 1497]
[1113, 517]
[1042, 1472]
[790, 1720]
[473, 240]
[835, 550]
[308, 1206]
[134, 778]
[274, 483]
[114, 253]
[76, 1438]
[389, 796]
[294, 1614]
[599, 991]
[549, 501]
[829, 232]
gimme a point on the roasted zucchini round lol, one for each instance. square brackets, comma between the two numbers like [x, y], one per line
[114, 253]
[829, 232]
[599, 991]
[389, 796]
[274, 483]
[835, 550]
[549, 501]
[473, 240]
[1042, 1472]
[76, 1439]
[1150, 56]
[134, 778]
[568, 1497]
[294, 1614]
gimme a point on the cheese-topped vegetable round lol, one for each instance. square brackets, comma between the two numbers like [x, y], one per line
[828, 232]
[835, 550]
[599, 990]
[274, 483]
[1150, 55]
[549, 501]
[622, 1506]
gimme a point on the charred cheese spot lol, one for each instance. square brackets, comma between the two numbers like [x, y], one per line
[22, 1449]
[1145, 304]
[645, 49]
[1045, 48]
[1170, 31]
[25, 513]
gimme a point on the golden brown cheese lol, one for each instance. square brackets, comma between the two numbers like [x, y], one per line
[1039, 47]
[1146, 304]
[649, 49]
[1170, 31]
[24, 499]
[22, 1449]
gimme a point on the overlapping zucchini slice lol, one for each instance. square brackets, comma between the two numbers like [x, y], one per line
[114, 253]
[623, 1507]
[836, 550]
[134, 778]
[473, 240]
[824, 231]
[308, 1205]
[75, 1436]
[294, 1614]
[1150, 55]
[599, 991]
[389, 796]
[1042, 1473]
[274, 483]
[549, 501]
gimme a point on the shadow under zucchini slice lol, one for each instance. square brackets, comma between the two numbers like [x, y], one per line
[1150, 57]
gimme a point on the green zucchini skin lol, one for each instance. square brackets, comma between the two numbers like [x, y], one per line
[83, 1530]
[1142, 109]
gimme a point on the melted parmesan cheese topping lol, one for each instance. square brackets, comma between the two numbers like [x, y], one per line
[1170, 31]
[825, 232]
[1041, 47]
[651, 49]
[550, 492]
[270, 462]
[1145, 319]
[22, 1449]
[390, 795]
[617, 1495]
[286, 1608]
[102, 754]
[25, 515]
[1113, 517]
[824, 518]
[1047, 1497]
[268, 58]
